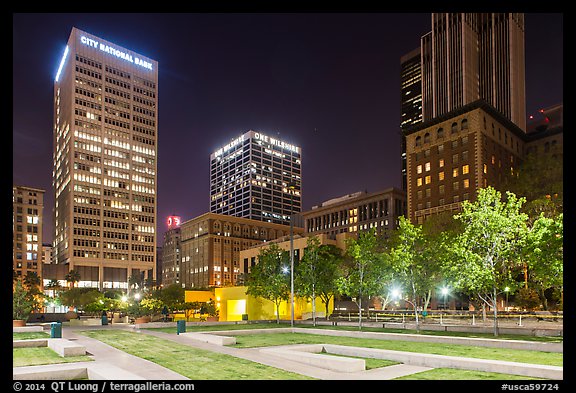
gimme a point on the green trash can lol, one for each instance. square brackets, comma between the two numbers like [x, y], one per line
[55, 330]
[180, 327]
[244, 317]
[104, 320]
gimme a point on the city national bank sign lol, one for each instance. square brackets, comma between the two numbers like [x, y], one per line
[115, 52]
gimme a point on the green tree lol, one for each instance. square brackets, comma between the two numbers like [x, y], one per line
[136, 281]
[543, 253]
[483, 256]
[363, 271]
[317, 273]
[22, 302]
[54, 286]
[171, 296]
[79, 298]
[268, 278]
[72, 277]
[413, 268]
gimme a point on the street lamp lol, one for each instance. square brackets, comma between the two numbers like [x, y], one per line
[444, 293]
[291, 187]
[507, 289]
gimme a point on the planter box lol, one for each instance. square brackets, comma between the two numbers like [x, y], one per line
[18, 323]
[141, 320]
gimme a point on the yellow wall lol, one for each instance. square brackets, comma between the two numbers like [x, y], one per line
[198, 296]
[233, 302]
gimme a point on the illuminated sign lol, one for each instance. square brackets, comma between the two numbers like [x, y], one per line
[115, 52]
[276, 142]
[229, 146]
[173, 221]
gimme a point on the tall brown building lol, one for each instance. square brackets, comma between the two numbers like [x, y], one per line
[28, 206]
[105, 162]
[471, 56]
[210, 247]
[357, 212]
[451, 156]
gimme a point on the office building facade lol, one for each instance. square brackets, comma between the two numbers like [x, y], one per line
[410, 98]
[256, 176]
[170, 254]
[353, 213]
[471, 56]
[105, 162]
[450, 157]
[210, 247]
[27, 214]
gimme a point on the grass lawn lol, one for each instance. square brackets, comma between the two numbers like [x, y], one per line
[370, 363]
[512, 355]
[190, 362]
[29, 335]
[460, 375]
[42, 355]
[364, 329]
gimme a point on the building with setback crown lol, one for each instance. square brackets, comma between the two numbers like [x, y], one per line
[27, 223]
[256, 176]
[105, 162]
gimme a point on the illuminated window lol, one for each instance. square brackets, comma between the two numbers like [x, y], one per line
[427, 179]
[419, 181]
[466, 183]
[455, 172]
[427, 166]
[493, 159]
[441, 175]
[441, 163]
[465, 169]
[485, 168]
[419, 169]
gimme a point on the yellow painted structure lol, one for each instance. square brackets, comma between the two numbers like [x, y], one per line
[198, 296]
[233, 303]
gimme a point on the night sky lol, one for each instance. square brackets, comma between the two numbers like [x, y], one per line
[327, 82]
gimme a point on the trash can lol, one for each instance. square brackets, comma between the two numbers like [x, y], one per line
[180, 327]
[244, 317]
[55, 330]
[104, 320]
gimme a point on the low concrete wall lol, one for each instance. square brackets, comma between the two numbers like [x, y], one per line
[210, 338]
[86, 322]
[26, 329]
[311, 354]
[65, 347]
[70, 371]
[37, 342]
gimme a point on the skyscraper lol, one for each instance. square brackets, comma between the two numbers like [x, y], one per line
[256, 176]
[410, 98]
[471, 56]
[105, 149]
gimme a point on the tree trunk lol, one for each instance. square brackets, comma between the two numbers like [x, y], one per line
[313, 308]
[278, 313]
[494, 306]
[360, 314]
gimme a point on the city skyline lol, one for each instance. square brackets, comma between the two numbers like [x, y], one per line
[342, 68]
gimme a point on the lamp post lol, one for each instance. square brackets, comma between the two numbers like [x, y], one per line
[291, 188]
[444, 293]
[507, 289]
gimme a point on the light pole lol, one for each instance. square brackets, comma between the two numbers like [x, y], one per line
[507, 289]
[444, 293]
[291, 188]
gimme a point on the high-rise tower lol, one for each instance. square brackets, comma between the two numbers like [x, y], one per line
[471, 56]
[105, 161]
[256, 176]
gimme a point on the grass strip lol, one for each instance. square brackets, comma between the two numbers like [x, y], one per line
[190, 362]
[37, 356]
[511, 355]
[29, 335]
[460, 375]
